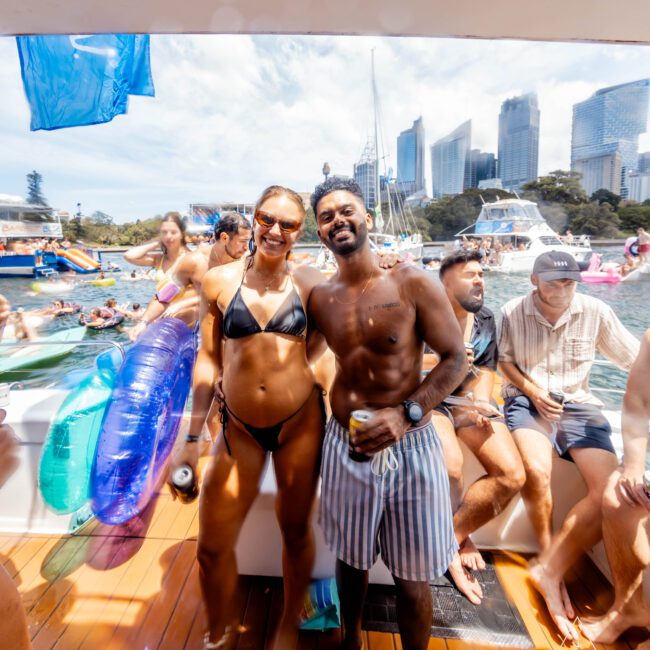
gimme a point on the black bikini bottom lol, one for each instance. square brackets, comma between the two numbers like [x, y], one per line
[267, 437]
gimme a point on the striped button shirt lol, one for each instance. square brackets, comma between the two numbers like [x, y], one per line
[559, 357]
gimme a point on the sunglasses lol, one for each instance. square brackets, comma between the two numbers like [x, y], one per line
[267, 221]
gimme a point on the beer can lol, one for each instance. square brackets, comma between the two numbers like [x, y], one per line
[356, 418]
[184, 483]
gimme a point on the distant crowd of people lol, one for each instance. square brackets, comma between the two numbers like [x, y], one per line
[33, 245]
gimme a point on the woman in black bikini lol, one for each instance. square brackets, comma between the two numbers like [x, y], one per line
[253, 347]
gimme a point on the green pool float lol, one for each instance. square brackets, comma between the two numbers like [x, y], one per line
[70, 444]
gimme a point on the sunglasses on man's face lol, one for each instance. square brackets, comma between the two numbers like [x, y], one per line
[267, 221]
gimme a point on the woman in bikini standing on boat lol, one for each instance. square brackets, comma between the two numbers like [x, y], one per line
[177, 273]
[253, 358]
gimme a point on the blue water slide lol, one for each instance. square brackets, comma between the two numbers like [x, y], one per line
[64, 261]
[141, 421]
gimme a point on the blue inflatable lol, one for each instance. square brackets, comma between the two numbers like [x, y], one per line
[69, 448]
[142, 420]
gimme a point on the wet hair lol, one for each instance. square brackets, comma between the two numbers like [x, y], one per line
[174, 217]
[136, 305]
[95, 311]
[110, 303]
[458, 257]
[269, 193]
[335, 185]
[230, 223]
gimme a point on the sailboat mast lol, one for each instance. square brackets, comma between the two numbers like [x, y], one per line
[378, 217]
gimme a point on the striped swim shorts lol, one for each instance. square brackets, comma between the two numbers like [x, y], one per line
[404, 514]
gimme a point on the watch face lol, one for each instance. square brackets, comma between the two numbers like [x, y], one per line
[415, 412]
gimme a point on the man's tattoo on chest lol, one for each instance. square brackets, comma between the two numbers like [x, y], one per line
[385, 305]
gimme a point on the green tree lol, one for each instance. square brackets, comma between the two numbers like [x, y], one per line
[605, 196]
[558, 187]
[309, 229]
[635, 216]
[34, 191]
[594, 220]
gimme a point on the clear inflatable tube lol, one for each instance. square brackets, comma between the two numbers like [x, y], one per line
[142, 420]
[69, 447]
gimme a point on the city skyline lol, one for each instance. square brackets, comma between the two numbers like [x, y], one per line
[233, 114]
[605, 135]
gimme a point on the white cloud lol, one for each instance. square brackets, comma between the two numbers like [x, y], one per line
[233, 114]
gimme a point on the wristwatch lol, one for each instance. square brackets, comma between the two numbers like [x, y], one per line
[413, 411]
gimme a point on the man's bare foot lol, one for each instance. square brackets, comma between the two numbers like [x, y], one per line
[470, 556]
[607, 628]
[465, 581]
[557, 600]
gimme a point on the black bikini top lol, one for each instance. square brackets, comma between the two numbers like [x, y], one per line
[290, 318]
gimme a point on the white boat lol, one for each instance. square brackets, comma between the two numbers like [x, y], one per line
[640, 274]
[518, 225]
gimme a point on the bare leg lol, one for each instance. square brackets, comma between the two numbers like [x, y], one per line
[626, 531]
[580, 530]
[453, 456]
[13, 624]
[488, 496]
[537, 456]
[414, 613]
[466, 583]
[297, 464]
[353, 586]
[228, 491]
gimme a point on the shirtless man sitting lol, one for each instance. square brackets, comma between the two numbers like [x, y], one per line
[376, 322]
[480, 426]
[626, 514]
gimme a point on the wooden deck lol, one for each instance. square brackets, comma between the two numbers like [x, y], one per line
[136, 587]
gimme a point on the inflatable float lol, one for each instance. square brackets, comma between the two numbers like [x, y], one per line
[632, 246]
[142, 420]
[597, 274]
[52, 287]
[70, 443]
[111, 319]
[32, 356]
[102, 282]
[639, 274]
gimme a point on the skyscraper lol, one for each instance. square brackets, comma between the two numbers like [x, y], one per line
[518, 141]
[482, 166]
[450, 161]
[410, 158]
[365, 173]
[644, 162]
[607, 124]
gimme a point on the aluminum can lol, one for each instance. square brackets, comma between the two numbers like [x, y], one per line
[357, 418]
[184, 483]
[556, 396]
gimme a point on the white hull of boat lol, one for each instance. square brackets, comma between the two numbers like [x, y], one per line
[22, 509]
[523, 261]
[640, 274]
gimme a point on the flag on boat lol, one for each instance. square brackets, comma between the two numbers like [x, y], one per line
[81, 80]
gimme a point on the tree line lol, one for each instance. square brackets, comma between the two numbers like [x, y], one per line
[559, 196]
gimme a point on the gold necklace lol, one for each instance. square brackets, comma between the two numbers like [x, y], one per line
[273, 277]
[365, 286]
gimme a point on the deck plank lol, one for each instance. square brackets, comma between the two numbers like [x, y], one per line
[175, 565]
[56, 608]
[513, 575]
[96, 597]
[189, 600]
[255, 616]
[106, 622]
[380, 641]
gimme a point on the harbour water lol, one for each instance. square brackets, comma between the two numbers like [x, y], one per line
[629, 300]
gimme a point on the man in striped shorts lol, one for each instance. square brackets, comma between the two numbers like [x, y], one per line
[396, 503]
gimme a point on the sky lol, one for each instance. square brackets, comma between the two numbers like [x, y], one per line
[234, 114]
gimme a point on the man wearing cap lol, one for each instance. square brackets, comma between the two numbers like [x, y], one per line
[547, 345]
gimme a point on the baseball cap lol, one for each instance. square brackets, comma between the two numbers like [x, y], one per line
[556, 265]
